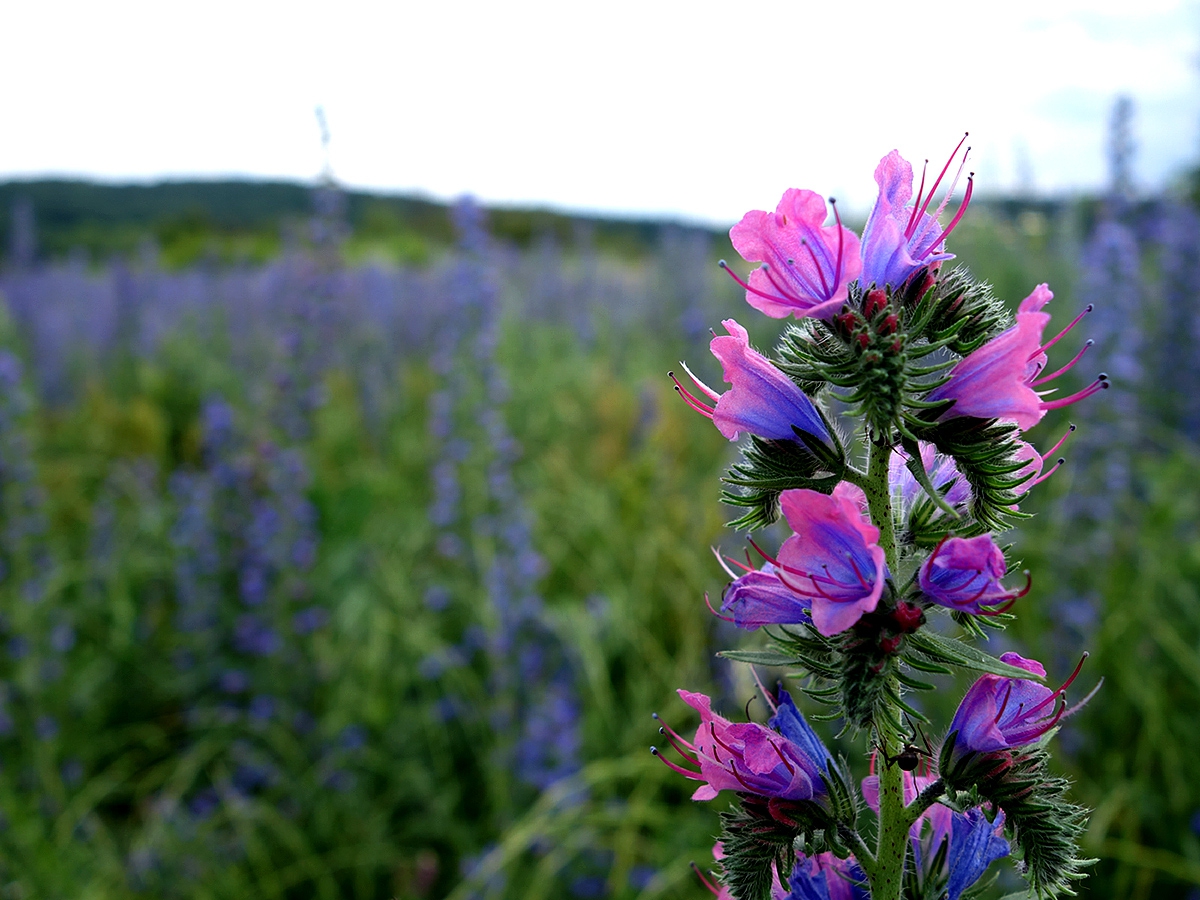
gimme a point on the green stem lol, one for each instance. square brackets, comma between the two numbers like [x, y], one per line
[879, 500]
[887, 881]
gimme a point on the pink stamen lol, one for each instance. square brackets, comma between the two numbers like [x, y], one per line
[825, 292]
[675, 742]
[721, 562]
[1004, 705]
[675, 767]
[673, 733]
[1058, 465]
[916, 202]
[1076, 358]
[762, 690]
[738, 776]
[712, 729]
[1062, 440]
[712, 888]
[783, 291]
[1058, 337]
[837, 269]
[714, 612]
[772, 560]
[908, 232]
[1066, 684]
[859, 575]
[962, 209]
[1100, 384]
[754, 290]
[691, 401]
[778, 752]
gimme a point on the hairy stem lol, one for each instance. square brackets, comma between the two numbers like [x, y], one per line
[887, 880]
[879, 500]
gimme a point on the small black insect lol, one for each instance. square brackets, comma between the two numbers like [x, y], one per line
[910, 755]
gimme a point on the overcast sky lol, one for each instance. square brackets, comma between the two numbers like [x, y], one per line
[693, 109]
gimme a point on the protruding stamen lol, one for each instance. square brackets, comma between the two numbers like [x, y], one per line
[721, 561]
[704, 388]
[712, 888]
[1057, 465]
[675, 767]
[1058, 337]
[1062, 440]
[962, 210]
[762, 690]
[763, 553]
[1076, 358]
[732, 274]
[681, 746]
[708, 603]
[908, 232]
[1062, 690]
[691, 400]
[916, 201]
[1100, 384]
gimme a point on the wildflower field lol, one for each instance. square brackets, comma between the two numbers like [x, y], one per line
[350, 568]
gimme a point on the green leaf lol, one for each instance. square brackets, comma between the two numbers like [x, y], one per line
[762, 657]
[953, 651]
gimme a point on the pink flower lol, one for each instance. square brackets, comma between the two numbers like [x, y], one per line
[762, 400]
[899, 240]
[997, 381]
[833, 559]
[744, 756]
[807, 265]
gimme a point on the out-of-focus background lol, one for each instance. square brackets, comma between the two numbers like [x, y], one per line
[350, 533]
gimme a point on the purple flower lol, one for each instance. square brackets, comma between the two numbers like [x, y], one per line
[762, 401]
[833, 560]
[786, 763]
[975, 843]
[999, 713]
[807, 265]
[964, 574]
[760, 598]
[898, 240]
[943, 475]
[825, 877]
[997, 381]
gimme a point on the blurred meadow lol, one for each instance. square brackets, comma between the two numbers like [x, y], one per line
[348, 543]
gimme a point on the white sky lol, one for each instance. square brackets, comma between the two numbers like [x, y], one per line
[696, 109]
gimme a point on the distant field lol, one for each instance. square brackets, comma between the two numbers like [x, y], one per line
[347, 543]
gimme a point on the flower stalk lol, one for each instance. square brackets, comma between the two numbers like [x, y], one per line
[874, 555]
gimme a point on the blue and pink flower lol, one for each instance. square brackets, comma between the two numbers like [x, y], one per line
[784, 761]
[998, 380]
[762, 400]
